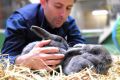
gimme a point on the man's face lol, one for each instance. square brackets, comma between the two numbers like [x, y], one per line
[56, 11]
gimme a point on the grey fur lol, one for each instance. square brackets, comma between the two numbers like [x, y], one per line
[87, 55]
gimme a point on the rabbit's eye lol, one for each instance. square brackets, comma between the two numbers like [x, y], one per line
[95, 51]
[58, 40]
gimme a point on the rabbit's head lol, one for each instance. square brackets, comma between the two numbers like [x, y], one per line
[56, 41]
[103, 56]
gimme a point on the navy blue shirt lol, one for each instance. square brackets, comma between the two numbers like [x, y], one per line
[18, 34]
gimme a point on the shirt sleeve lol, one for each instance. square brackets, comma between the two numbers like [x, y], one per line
[14, 36]
[74, 35]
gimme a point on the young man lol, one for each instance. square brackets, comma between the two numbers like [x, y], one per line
[53, 16]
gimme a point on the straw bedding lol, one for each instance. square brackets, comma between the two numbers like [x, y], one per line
[15, 72]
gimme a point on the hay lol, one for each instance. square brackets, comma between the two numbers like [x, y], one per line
[15, 72]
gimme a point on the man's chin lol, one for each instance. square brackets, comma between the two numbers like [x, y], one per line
[56, 26]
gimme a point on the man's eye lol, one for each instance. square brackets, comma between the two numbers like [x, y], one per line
[68, 8]
[58, 7]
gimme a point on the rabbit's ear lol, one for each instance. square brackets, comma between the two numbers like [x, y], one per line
[41, 32]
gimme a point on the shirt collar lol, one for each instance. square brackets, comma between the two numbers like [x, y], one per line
[40, 16]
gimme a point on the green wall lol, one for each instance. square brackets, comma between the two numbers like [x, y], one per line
[1, 40]
[108, 43]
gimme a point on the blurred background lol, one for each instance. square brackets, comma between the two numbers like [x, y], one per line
[95, 19]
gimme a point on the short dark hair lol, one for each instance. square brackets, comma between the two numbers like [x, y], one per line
[75, 0]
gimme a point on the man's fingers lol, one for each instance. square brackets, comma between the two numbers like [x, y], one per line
[45, 50]
[52, 62]
[42, 43]
[51, 56]
[49, 50]
[49, 65]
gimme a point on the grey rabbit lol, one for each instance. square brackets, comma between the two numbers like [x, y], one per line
[56, 41]
[87, 55]
[77, 57]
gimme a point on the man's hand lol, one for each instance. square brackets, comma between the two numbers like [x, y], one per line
[41, 57]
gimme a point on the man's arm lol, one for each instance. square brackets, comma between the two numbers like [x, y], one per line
[74, 35]
[14, 36]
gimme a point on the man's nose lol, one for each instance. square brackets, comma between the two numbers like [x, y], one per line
[63, 13]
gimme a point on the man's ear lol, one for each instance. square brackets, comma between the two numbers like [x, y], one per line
[43, 3]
